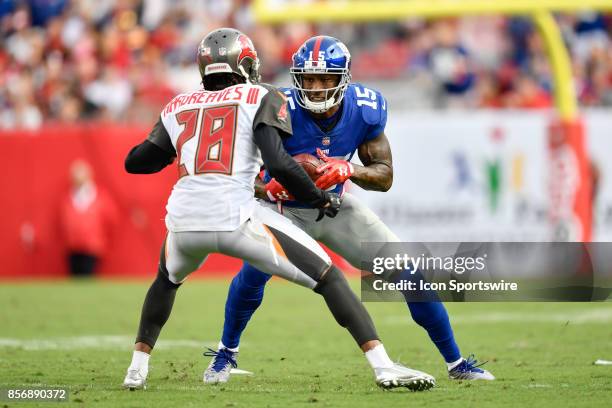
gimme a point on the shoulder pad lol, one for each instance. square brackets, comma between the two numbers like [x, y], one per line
[174, 103]
[272, 88]
[290, 94]
[267, 87]
[369, 102]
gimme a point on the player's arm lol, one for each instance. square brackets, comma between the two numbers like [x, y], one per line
[284, 169]
[153, 154]
[375, 174]
[377, 170]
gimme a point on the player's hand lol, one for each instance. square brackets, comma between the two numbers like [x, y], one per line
[334, 171]
[332, 205]
[276, 192]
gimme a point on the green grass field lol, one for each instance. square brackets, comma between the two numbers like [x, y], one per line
[79, 334]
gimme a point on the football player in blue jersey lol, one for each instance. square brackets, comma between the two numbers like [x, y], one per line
[333, 118]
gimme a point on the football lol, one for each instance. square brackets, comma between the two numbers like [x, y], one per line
[309, 163]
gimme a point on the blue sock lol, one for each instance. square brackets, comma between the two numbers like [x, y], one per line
[432, 316]
[244, 297]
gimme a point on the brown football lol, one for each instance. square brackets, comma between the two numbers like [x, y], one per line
[309, 163]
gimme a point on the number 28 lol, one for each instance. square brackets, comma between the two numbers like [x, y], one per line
[216, 136]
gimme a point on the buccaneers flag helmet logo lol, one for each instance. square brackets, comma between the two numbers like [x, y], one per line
[248, 50]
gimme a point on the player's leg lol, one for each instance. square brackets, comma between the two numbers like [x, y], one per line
[245, 295]
[356, 224]
[175, 264]
[273, 244]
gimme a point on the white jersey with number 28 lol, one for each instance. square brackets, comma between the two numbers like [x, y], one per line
[212, 133]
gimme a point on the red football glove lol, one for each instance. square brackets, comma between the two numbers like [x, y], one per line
[276, 192]
[334, 171]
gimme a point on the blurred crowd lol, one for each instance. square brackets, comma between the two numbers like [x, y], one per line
[121, 60]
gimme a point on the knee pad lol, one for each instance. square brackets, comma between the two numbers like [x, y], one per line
[163, 277]
[330, 277]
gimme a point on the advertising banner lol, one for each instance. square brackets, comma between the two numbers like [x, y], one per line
[485, 176]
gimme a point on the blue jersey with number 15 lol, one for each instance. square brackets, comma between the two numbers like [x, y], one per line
[363, 118]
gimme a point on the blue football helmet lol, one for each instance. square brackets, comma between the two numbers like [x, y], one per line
[321, 55]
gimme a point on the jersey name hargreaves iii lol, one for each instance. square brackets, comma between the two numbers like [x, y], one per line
[211, 134]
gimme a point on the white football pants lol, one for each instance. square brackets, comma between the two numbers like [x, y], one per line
[268, 241]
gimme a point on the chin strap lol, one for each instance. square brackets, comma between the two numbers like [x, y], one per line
[319, 107]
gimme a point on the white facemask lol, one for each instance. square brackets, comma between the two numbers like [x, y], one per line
[319, 107]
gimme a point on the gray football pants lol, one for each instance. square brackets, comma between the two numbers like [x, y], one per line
[344, 234]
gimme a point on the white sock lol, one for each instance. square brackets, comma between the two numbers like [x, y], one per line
[454, 364]
[233, 350]
[140, 362]
[378, 358]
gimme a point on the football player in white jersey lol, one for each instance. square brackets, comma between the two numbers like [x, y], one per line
[220, 136]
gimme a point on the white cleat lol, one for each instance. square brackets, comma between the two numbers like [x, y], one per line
[135, 380]
[400, 376]
[220, 367]
[470, 370]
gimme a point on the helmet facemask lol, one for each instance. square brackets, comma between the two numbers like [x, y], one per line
[251, 74]
[321, 55]
[332, 96]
